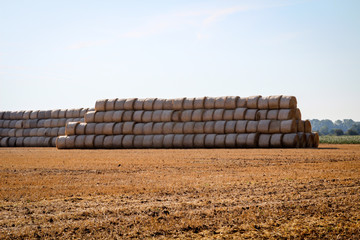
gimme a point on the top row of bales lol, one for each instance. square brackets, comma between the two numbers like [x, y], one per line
[229, 102]
[44, 114]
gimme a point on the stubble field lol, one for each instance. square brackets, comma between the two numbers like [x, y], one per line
[186, 194]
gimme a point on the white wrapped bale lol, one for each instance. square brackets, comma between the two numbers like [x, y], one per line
[178, 128]
[119, 104]
[100, 105]
[264, 140]
[178, 103]
[148, 128]
[158, 141]
[148, 104]
[117, 116]
[90, 128]
[230, 140]
[307, 126]
[168, 127]
[288, 102]
[156, 116]
[199, 102]
[188, 141]
[241, 126]
[189, 127]
[166, 115]
[251, 114]
[209, 103]
[108, 128]
[219, 127]
[186, 115]
[199, 141]
[128, 127]
[220, 141]
[110, 104]
[118, 128]
[127, 116]
[208, 115]
[288, 126]
[261, 115]
[129, 103]
[70, 128]
[159, 104]
[251, 126]
[147, 116]
[99, 128]
[272, 114]
[157, 128]
[168, 141]
[99, 141]
[290, 140]
[197, 115]
[60, 142]
[108, 141]
[252, 140]
[264, 126]
[117, 141]
[218, 114]
[148, 141]
[210, 140]
[199, 127]
[139, 128]
[178, 141]
[228, 115]
[108, 117]
[209, 127]
[188, 103]
[138, 141]
[99, 117]
[176, 116]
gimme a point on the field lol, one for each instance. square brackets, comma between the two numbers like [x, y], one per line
[340, 139]
[185, 194]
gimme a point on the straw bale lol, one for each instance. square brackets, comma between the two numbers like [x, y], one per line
[139, 128]
[117, 128]
[300, 126]
[158, 141]
[117, 116]
[27, 141]
[99, 141]
[13, 123]
[252, 140]
[34, 114]
[199, 140]
[241, 140]
[27, 114]
[20, 132]
[288, 102]
[290, 140]
[272, 114]
[76, 113]
[99, 117]
[6, 115]
[100, 105]
[39, 123]
[209, 103]
[53, 141]
[264, 140]
[274, 102]
[228, 115]
[148, 127]
[288, 126]
[60, 142]
[2, 122]
[219, 127]
[69, 113]
[230, 126]
[108, 117]
[252, 126]
[157, 128]
[188, 141]
[110, 104]
[54, 113]
[138, 141]
[70, 128]
[199, 103]
[148, 104]
[62, 122]
[168, 104]
[19, 142]
[178, 140]
[307, 126]
[12, 132]
[188, 103]
[62, 113]
[25, 133]
[168, 127]
[178, 103]
[230, 140]
[117, 141]
[41, 114]
[197, 115]
[220, 102]
[156, 116]
[34, 141]
[148, 141]
[264, 126]
[220, 141]
[276, 140]
[166, 115]
[53, 132]
[4, 132]
[168, 141]
[129, 103]
[250, 114]
[275, 126]
[83, 112]
[108, 141]
[70, 142]
[208, 115]
[48, 123]
[186, 115]
[99, 128]
[127, 116]
[89, 141]
[261, 115]
[176, 116]
[19, 124]
[210, 140]
[231, 102]
[12, 142]
[302, 139]
[241, 126]
[108, 128]
[263, 103]
[6, 123]
[297, 114]
[147, 116]
[90, 128]
[119, 104]
[80, 141]
[316, 140]
[4, 142]
[159, 104]
[128, 127]
[218, 114]
[286, 114]
[209, 127]
[178, 128]
[40, 132]
[189, 127]
[252, 102]
[61, 131]
[199, 127]
[309, 140]
[47, 114]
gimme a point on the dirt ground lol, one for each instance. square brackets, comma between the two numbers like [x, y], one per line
[185, 194]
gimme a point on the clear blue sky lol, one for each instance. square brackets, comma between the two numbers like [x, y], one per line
[68, 54]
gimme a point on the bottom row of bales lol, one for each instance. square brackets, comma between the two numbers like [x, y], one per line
[28, 142]
[251, 140]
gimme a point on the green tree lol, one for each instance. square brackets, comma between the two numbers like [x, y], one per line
[324, 130]
[337, 132]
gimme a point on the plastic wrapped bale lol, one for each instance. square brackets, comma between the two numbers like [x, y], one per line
[188, 141]
[19, 142]
[251, 114]
[218, 114]
[117, 116]
[209, 127]
[288, 102]
[158, 141]
[148, 128]
[276, 140]
[148, 141]
[178, 128]
[309, 140]
[199, 102]
[288, 126]
[307, 126]
[241, 126]
[264, 126]
[219, 127]
[159, 104]
[302, 139]
[290, 140]
[168, 127]
[138, 129]
[209, 103]
[210, 140]
[241, 140]
[197, 115]
[138, 141]
[186, 115]
[230, 140]
[100, 105]
[264, 140]
[188, 103]
[168, 104]
[274, 102]
[199, 127]
[252, 102]
[166, 115]
[90, 128]
[156, 116]
[252, 140]
[128, 116]
[286, 114]
[117, 141]
[275, 126]
[148, 104]
[129, 103]
[316, 140]
[300, 125]
[80, 141]
[60, 142]
[228, 115]
[263, 103]
[119, 104]
[239, 113]
[99, 141]
[178, 103]
[128, 127]
[220, 140]
[168, 140]
[99, 117]
[99, 128]
[108, 141]
[199, 141]
[157, 128]
[108, 129]
[252, 126]
[70, 128]
[118, 128]
[108, 117]
[261, 115]
[176, 116]
[272, 114]
[147, 116]
[208, 115]
[178, 140]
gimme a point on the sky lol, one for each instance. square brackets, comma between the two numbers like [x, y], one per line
[68, 54]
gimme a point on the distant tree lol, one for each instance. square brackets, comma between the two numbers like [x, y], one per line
[356, 127]
[324, 130]
[351, 132]
[337, 132]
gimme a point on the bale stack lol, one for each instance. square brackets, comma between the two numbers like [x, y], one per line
[205, 122]
[36, 128]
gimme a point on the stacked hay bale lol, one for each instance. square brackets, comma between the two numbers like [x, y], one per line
[36, 128]
[206, 122]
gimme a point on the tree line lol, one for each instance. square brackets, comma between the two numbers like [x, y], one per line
[338, 128]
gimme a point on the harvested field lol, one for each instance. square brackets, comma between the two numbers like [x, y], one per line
[197, 193]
